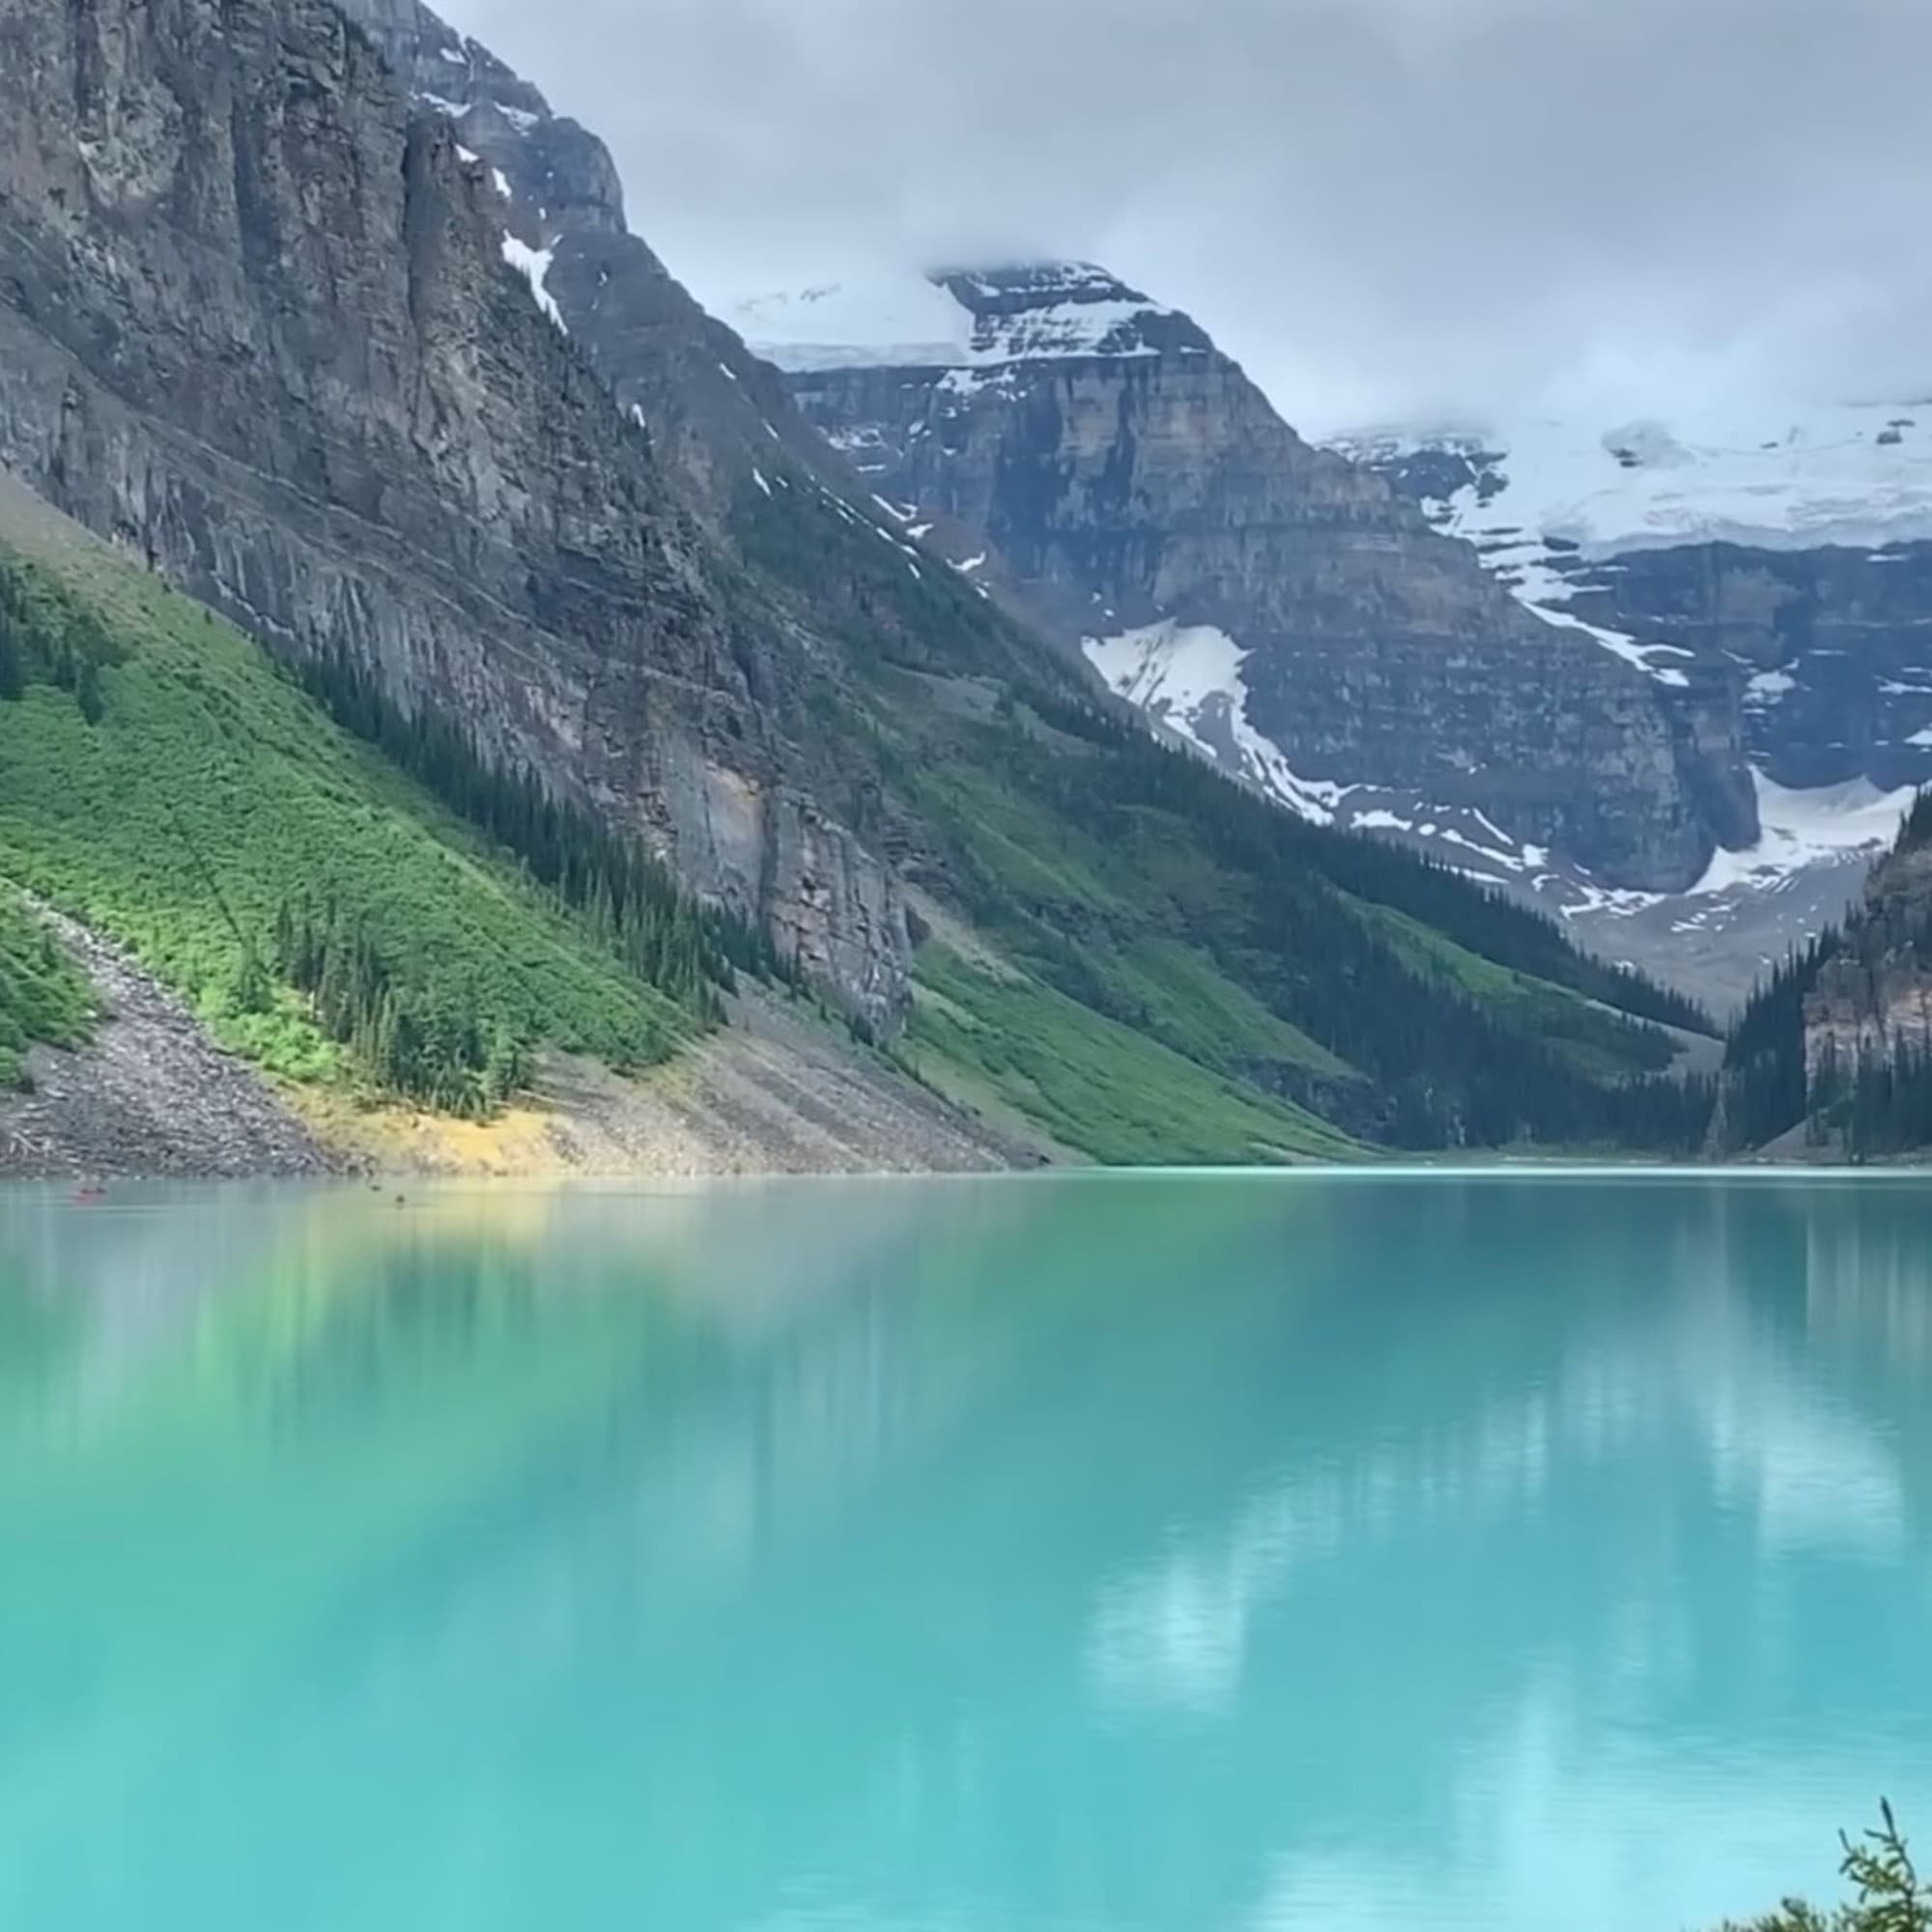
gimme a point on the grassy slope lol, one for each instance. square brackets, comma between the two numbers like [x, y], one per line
[212, 788]
[1595, 1040]
[210, 791]
[43, 998]
[1156, 1062]
[1111, 1092]
[1124, 933]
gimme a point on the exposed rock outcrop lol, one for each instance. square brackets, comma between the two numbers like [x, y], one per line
[1873, 1002]
[263, 322]
[1833, 646]
[1119, 474]
[714, 411]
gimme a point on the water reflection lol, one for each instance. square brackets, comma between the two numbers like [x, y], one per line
[1124, 1553]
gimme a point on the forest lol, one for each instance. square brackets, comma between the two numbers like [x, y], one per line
[1882, 1104]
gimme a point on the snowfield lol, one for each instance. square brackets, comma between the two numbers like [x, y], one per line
[1803, 829]
[1189, 677]
[891, 321]
[1857, 475]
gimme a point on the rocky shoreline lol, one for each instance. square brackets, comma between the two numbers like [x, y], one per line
[151, 1096]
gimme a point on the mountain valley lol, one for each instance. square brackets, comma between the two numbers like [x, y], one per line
[1697, 805]
[825, 686]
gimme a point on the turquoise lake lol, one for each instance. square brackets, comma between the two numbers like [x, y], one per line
[1372, 1555]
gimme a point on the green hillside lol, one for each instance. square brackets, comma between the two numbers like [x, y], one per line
[44, 999]
[163, 781]
[203, 810]
[1156, 967]
[1291, 965]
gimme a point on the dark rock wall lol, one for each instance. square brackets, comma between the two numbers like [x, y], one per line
[1118, 490]
[256, 325]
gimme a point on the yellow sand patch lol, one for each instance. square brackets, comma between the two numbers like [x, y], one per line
[402, 1140]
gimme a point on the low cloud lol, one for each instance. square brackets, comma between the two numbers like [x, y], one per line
[1386, 207]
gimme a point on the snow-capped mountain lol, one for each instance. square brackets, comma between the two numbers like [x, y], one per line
[1297, 615]
[1852, 477]
[963, 320]
[1791, 555]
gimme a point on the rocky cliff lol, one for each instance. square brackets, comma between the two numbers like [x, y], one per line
[1833, 1056]
[269, 322]
[1829, 644]
[334, 324]
[1873, 999]
[1287, 609]
[1791, 553]
[714, 411]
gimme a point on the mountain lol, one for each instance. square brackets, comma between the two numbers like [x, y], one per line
[280, 952]
[335, 331]
[1834, 1053]
[1788, 556]
[1286, 609]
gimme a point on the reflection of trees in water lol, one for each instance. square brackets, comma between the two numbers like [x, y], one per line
[1868, 1279]
[993, 1541]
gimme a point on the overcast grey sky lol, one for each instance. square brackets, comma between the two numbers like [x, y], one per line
[1385, 208]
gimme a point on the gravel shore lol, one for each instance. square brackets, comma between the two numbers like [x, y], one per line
[151, 1096]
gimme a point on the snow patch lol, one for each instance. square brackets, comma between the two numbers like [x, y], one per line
[880, 319]
[1188, 676]
[1827, 826]
[1534, 582]
[534, 265]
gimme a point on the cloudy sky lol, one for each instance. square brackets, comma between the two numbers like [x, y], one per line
[1388, 209]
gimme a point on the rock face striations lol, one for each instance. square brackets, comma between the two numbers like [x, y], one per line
[325, 317]
[1792, 553]
[271, 322]
[1283, 607]
[714, 411]
[1873, 1001]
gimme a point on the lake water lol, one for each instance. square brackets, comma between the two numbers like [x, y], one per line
[1362, 1554]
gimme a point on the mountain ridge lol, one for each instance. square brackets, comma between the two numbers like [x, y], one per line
[458, 449]
[1784, 551]
[1117, 486]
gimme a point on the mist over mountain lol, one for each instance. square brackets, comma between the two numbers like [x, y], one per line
[1387, 209]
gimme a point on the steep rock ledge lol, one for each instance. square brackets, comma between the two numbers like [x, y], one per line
[256, 322]
[1134, 475]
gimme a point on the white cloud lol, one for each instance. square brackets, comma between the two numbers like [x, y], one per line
[1382, 206]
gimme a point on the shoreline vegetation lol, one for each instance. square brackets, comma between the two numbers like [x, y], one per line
[1879, 1867]
[415, 960]
[433, 966]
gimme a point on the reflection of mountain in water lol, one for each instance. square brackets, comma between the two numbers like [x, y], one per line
[1162, 1551]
